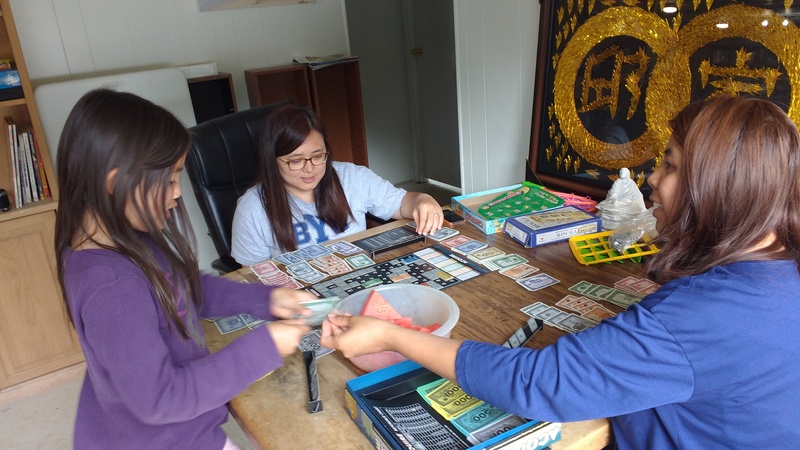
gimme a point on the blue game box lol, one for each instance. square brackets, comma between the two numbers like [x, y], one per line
[553, 225]
[388, 409]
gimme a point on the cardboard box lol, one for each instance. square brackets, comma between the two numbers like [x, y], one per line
[467, 206]
[553, 225]
[10, 85]
[391, 386]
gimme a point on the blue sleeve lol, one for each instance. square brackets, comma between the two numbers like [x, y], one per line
[223, 298]
[625, 364]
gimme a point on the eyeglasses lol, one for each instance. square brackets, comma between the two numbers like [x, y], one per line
[300, 163]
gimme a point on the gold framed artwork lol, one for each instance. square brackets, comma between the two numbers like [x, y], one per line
[219, 5]
[611, 73]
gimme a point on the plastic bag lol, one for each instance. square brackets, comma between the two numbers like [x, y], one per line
[643, 225]
[623, 202]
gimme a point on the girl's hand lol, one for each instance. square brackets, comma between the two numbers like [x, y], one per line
[356, 335]
[285, 303]
[286, 334]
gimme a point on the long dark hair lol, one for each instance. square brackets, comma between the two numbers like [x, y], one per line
[285, 129]
[109, 130]
[739, 184]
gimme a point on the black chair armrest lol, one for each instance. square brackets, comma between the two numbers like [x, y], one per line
[225, 264]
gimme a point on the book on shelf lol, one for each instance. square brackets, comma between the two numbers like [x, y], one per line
[42, 173]
[12, 146]
[28, 175]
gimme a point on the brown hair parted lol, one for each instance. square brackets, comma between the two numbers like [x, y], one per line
[108, 130]
[285, 129]
[738, 197]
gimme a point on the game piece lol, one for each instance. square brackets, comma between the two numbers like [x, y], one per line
[594, 248]
[521, 336]
[388, 240]
[314, 400]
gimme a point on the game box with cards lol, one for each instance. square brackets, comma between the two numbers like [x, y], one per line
[554, 225]
[405, 406]
[488, 210]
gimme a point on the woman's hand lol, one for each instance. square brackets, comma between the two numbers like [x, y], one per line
[425, 211]
[356, 335]
[285, 303]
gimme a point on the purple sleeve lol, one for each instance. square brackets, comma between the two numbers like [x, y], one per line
[224, 298]
[136, 359]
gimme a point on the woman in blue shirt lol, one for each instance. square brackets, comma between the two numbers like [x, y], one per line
[711, 359]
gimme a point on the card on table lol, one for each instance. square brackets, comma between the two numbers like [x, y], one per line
[313, 251]
[507, 261]
[230, 324]
[519, 271]
[288, 258]
[536, 282]
[442, 234]
[359, 261]
[452, 242]
[345, 248]
[469, 247]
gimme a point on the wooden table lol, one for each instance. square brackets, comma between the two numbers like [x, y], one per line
[272, 411]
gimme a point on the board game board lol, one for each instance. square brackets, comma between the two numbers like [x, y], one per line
[526, 199]
[433, 266]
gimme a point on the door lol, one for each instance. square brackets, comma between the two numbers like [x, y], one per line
[434, 61]
[410, 101]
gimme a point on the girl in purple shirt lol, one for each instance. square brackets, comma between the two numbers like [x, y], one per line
[135, 294]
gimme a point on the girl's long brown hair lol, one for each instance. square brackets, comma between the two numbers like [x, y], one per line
[109, 130]
[285, 129]
[739, 185]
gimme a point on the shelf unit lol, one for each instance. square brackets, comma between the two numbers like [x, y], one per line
[35, 335]
[332, 91]
[212, 96]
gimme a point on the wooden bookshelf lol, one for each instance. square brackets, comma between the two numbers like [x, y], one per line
[35, 337]
[333, 92]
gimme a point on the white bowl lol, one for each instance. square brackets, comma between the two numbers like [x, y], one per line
[424, 305]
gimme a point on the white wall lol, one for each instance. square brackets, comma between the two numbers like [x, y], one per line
[496, 43]
[64, 39]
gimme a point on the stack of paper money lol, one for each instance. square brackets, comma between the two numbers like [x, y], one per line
[616, 296]
[476, 419]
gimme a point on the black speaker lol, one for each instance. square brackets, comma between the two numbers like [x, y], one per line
[212, 96]
[5, 204]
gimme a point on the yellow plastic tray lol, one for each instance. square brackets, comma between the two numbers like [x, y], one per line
[594, 248]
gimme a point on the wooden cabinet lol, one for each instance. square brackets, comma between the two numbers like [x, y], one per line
[212, 96]
[35, 336]
[332, 91]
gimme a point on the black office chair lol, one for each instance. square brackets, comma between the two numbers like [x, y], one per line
[222, 165]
